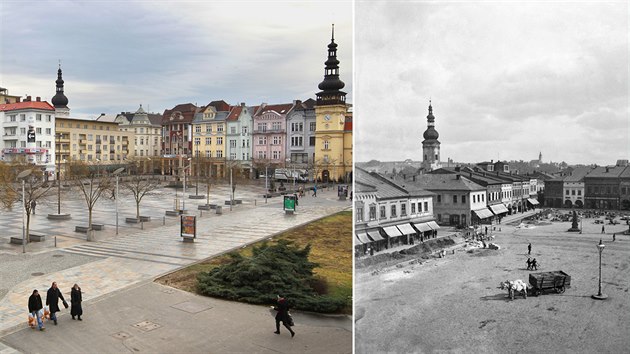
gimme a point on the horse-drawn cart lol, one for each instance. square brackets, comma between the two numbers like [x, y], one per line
[556, 280]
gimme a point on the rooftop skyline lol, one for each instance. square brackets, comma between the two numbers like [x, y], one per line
[507, 80]
[118, 55]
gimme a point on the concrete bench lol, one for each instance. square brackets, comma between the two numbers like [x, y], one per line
[203, 207]
[132, 220]
[192, 196]
[145, 218]
[98, 226]
[81, 229]
[16, 240]
[175, 212]
[59, 216]
[36, 237]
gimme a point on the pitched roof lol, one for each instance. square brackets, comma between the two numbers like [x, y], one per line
[187, 110]
[600, 172]
[385, 188]
[26, 105]
[235, 113]
[442, 182]
[577, 174]
[284, 108]
[220, 105]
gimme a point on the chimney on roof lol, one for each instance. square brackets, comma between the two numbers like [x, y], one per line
[457, 176]
[491, 161]
[17, 100]
[242, 104]
[28, 99]
[38, 99]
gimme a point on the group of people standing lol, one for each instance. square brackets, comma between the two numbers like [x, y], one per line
[53, 295]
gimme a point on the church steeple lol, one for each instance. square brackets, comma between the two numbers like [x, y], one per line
[430, 144]
[331, 85]
[59, 100]
[430, 133]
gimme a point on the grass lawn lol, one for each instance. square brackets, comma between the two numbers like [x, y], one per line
[331, 248]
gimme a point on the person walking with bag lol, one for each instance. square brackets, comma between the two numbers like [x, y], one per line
[35, 308]
[75, 302]
[283, 315]
[52, 300]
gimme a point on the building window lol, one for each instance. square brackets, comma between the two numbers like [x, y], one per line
[276, 126]
[313, 126]
[208, 141]
[38, 117]
[219, 153]
[326, 144]
[219, 141]
[454, 199]
[372, 212]
[311, 141]
[197, 128]
[232, 156]
[232, 130]
[383, 213]
[277, 140]
[580, 192]
[573, 192]
[439, 198]
[208, 128]
[403, 209]
[262, 140]
[276, 155]
[359, 212]
[297, 127]
[393, 211]
[426, 206]
[567, 192]
[413, 208]
[439, 217]
[219, 128]
[232, 143]
[296, 141]
[463, 199]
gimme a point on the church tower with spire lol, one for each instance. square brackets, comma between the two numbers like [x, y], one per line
[60, 101]
[430, 144]
[333, 132]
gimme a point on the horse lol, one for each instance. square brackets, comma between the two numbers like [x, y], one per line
[514, 287]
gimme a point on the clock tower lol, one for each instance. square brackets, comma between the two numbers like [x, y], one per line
[333, 134]
[430, 144]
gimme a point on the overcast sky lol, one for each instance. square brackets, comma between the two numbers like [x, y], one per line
[116, 55]
[508, 79]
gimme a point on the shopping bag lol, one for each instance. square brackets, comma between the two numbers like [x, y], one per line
[31, 320]
[46, 313]
[65, 304]
[290, 319]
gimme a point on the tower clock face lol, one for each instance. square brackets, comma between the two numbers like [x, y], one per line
[327, 117]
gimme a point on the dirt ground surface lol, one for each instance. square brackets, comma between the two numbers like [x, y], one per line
[454, 305]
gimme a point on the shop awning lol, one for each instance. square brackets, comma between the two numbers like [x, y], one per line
[533, 201]
[423, 227]
[363, 237]
[433, 225]
[392, 231]
[498, 209]
[483, 213]
[375, 235]
[406, 229]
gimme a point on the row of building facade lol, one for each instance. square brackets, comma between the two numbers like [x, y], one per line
[313, 135]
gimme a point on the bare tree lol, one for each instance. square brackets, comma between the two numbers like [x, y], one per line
[140, 186]
[35, 189]
[90, 183]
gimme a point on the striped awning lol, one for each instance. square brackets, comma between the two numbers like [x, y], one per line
[375, 235]
[433, 225]
[363, 237]
[498, 209]
[533, 201]
[392, 231]
[406, 229]
[483, 213]
[423, 227]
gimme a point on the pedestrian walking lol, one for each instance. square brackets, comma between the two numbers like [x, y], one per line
[529, 249]
[283, 315]
[614, 237]
[534, 265]
[371, 251]
[33, 205]
[602, 228]
[314, 191]
[486, 231]
[35, 307]
[52, 301]
[295, 196]
[75, 302]
[529, 263]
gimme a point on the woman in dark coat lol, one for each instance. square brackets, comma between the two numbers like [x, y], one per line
[75, 302]
[283, 315]
[34, 305]
[52, 300]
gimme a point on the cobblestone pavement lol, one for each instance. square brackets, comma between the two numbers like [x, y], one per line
[115, 262]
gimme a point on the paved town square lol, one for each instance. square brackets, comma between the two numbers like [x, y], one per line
[108, 270]
[453, 304]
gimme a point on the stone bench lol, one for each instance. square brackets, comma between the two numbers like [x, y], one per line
[234, 202]
[16, 240]
[98, 226]
[81, 229]
[36, 237]
[145, 218]
[175, 212]
[132, 220]
[204, 207]
[192, 196]
[59, 216]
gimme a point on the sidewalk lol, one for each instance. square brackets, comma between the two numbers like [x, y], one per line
[157, 319]
[121, 261]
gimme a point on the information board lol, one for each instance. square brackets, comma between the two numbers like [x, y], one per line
[289, 202]
[189, 226]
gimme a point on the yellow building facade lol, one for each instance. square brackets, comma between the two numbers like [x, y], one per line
[209, 150]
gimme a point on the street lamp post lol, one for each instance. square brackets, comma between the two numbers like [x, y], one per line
[59, 176]
[600, 296]
[21, 176]
[116, 173]
[197, 170]
[266, 186]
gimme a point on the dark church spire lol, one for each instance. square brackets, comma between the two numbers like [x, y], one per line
[59, 100]
[330, 88]
[430, 133]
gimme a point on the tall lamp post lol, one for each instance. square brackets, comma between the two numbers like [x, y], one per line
[116, 173]
[59, 175]
[600, 296]
[21, 176]
[197, 169]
